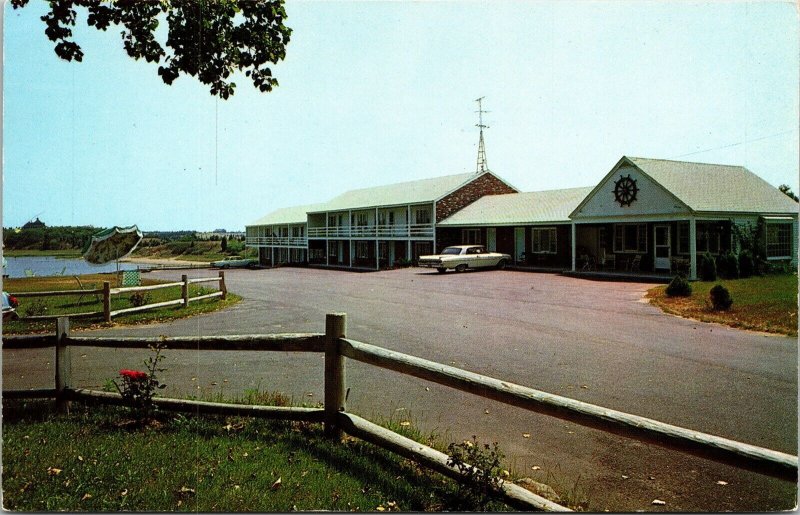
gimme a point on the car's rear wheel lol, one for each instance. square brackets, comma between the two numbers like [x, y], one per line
[225, 267]
[461, 267]
[502, 264]
[441, 270]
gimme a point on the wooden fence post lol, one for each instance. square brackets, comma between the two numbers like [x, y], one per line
[185, 290]
[222, 287]
[63, 365]
[107, 301]
[335, 379]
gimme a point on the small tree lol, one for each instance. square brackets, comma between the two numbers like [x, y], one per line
[708, 268]
[224, 243]
[746, 265]
[728, 266]
[679, 287]
[720, 298]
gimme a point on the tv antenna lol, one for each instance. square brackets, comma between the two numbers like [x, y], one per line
[482, 165]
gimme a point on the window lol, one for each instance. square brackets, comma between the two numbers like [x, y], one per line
[391, 217]
[709, 237]
[543, 240]
[423, 216]
[333, 248]
[779, 240]
[332, 221]
[362, 249]
[381, 217]
[630, 238]
[361, 219]
[471, 236]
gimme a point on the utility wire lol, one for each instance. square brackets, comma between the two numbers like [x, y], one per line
[736, 144]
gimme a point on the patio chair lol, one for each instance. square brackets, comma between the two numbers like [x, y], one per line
[588, 263]
[607, 260]
[82, 287]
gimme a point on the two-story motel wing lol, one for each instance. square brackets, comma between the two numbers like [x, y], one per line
[371, 227]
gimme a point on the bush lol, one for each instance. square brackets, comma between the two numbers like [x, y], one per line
[139, 299]
[728, 266]
[720, 298]
[481, 467]
[746, 265]
[679, 287]
[708, 268]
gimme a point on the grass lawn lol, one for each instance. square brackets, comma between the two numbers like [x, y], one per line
[767, 303]
[70, 253]
[90, 461]
[90, 303]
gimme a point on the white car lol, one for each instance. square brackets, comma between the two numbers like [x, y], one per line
[462, 257]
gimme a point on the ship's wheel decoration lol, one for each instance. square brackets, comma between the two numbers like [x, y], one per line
[625, 190]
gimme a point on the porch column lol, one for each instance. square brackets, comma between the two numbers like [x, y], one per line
[572, 244]
[692, 249]
[377, 254]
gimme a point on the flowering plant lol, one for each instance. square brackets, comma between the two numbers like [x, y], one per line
[138, 388]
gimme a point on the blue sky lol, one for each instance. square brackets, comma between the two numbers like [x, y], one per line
[376, 93]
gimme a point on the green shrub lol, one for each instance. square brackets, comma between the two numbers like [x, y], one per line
[728, 266]
[480, 464]
[720, 298]
[746, 265]
[679, 287]
[708, 268]
[139, 299]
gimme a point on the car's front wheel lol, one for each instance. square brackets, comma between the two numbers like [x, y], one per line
[461, 267]
[441, 270]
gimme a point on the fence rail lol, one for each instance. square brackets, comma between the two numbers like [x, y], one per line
[107, 292]
[337, 348]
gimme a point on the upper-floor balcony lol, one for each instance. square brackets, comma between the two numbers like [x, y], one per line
[373, 231]
[276, 241]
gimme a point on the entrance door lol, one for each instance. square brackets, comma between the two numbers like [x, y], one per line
[519, 243]
[662, 247]
[491, 239]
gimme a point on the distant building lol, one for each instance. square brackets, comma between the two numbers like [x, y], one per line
[219, 234]
[35, 224]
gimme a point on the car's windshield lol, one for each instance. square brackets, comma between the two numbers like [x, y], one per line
[451, 250]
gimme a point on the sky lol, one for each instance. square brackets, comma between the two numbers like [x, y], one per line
[376, 93]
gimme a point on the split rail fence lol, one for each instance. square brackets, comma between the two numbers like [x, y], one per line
[337, 348]
[107, 292]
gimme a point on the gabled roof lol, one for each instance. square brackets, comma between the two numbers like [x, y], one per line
[553, 206]
[705, 187]
[710, 187]
[286, 215]
[411, 192]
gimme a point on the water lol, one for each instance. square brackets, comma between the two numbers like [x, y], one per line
[49, 265]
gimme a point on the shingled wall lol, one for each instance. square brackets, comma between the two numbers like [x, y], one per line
[486, 184]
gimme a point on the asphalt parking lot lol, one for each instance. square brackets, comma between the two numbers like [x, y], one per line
[593, 341]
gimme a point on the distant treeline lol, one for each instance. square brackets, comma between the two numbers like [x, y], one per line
[49, 238]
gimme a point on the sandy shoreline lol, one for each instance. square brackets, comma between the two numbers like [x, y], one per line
[162, 261]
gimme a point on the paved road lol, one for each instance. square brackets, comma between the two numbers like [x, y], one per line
[593, 341]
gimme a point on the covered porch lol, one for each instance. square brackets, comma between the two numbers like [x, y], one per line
[654, 247]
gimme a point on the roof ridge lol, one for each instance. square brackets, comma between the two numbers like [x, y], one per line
[464, 174]
[684, 162]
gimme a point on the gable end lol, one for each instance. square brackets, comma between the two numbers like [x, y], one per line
[486, 184]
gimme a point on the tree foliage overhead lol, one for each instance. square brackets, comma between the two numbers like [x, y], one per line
[785, 188]
[207, 39]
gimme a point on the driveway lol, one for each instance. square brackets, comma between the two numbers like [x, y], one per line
[598, 342]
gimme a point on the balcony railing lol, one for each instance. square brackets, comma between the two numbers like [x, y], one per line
[373, 231]
[277, 241]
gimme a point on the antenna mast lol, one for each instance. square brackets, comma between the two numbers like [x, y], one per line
[482, 165]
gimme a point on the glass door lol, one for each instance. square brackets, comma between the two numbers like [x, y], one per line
[662, 247]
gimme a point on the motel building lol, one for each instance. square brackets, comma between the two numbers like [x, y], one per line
[645, 217]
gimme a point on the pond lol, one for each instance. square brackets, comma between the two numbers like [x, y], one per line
[49, 265]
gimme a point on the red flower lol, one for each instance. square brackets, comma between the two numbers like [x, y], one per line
[134, 375]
